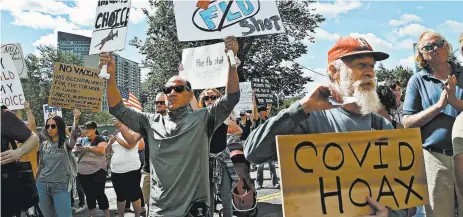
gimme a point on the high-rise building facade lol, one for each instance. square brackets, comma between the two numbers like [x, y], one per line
[127, 73]
[75, 44]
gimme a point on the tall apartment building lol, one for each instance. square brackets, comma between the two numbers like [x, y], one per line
[127, 74]
[71, 43]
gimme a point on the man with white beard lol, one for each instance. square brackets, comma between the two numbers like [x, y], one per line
[351, 70]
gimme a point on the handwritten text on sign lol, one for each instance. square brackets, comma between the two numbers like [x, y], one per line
[331, 174]
[245, 102]
[76, 87]
[224, 18]
[206, 66]
[11, 91]
[110, 28]
[16, 54]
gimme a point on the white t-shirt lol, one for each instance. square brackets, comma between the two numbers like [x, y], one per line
[124, 160]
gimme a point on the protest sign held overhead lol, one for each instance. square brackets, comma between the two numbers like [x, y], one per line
[206, 66]
[263, 92]
[49, 112]
[16, 53]
[331, 174]
[11, 90]
[245, 102]
[110, 27]
[223, 18]
[76, 87]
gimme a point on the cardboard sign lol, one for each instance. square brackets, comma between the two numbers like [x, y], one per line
[222, 18]
[331, 174]
[110, 29]
[263, 92]
[11, 90]
[49, 112]
[76, 87]
[16, 53]
[206, 66]
[245, 102]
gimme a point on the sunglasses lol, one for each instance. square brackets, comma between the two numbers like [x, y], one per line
[206, 98]
[431, 46]
[53, 126]
[177, 89]
[160, 102]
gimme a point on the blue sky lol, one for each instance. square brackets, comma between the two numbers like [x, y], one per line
[389, 26]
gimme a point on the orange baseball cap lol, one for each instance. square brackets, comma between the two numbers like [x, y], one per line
[349, 46]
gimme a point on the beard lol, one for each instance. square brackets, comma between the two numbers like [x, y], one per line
[367, 98]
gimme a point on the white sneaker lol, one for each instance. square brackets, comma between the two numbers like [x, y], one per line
[80, 209]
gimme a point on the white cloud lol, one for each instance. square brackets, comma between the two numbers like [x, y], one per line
[410, 30]
[144, 74]
[419, 7]
[405, 19]
[376, 43]
[330, 11]
[408, 62]
[321, 34]
[452, 25]
[39, 20]
[52, 38]
[405, 44]
[83, 13]
[45, 6]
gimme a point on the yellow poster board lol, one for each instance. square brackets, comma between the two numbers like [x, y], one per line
[76, 87]
[331, 174]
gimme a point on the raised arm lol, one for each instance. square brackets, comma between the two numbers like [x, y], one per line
[134, 120]
[222, 108]
[260, 146]
[30, 118]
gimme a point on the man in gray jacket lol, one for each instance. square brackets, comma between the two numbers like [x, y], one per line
[351, 71]
[179, 141]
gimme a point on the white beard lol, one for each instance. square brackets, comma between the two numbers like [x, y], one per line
[367, 100]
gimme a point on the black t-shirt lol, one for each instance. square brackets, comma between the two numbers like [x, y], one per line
[258, 122]
[13, 129]
[97, 141]
[246, 129]
[219, 139]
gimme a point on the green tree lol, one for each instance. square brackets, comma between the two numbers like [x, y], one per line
[37, 86]
[260, 56]
[398, 73]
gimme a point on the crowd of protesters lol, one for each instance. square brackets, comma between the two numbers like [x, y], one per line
[182, 147]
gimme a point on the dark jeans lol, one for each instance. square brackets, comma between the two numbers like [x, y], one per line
[260, 173]
[80, 193]
[94, 186]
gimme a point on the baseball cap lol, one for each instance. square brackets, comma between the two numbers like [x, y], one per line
[349, 46]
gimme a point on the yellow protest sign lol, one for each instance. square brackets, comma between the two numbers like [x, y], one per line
[76, 87]
[331, 174]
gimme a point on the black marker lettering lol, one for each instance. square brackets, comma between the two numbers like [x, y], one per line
[402, 168]
[299, 146]
[381, 165]
[338, 193]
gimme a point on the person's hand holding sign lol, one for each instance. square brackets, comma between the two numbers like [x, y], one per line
[231, 48]
[380, 210]
[107, 63]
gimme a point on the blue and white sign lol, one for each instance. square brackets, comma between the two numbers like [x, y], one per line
[240, 18]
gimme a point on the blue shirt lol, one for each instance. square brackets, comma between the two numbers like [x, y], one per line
[423, 91]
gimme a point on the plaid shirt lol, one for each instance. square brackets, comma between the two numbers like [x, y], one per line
[216, 167]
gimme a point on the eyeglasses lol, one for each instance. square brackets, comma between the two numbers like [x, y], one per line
[53, 126]
[431, 46]
[177, 89]
[206, 98]
[160, 102]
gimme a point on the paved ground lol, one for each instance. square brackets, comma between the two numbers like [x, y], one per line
[269, 200]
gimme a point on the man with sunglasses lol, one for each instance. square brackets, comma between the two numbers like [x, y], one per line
[433, 99]
[179, 141]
